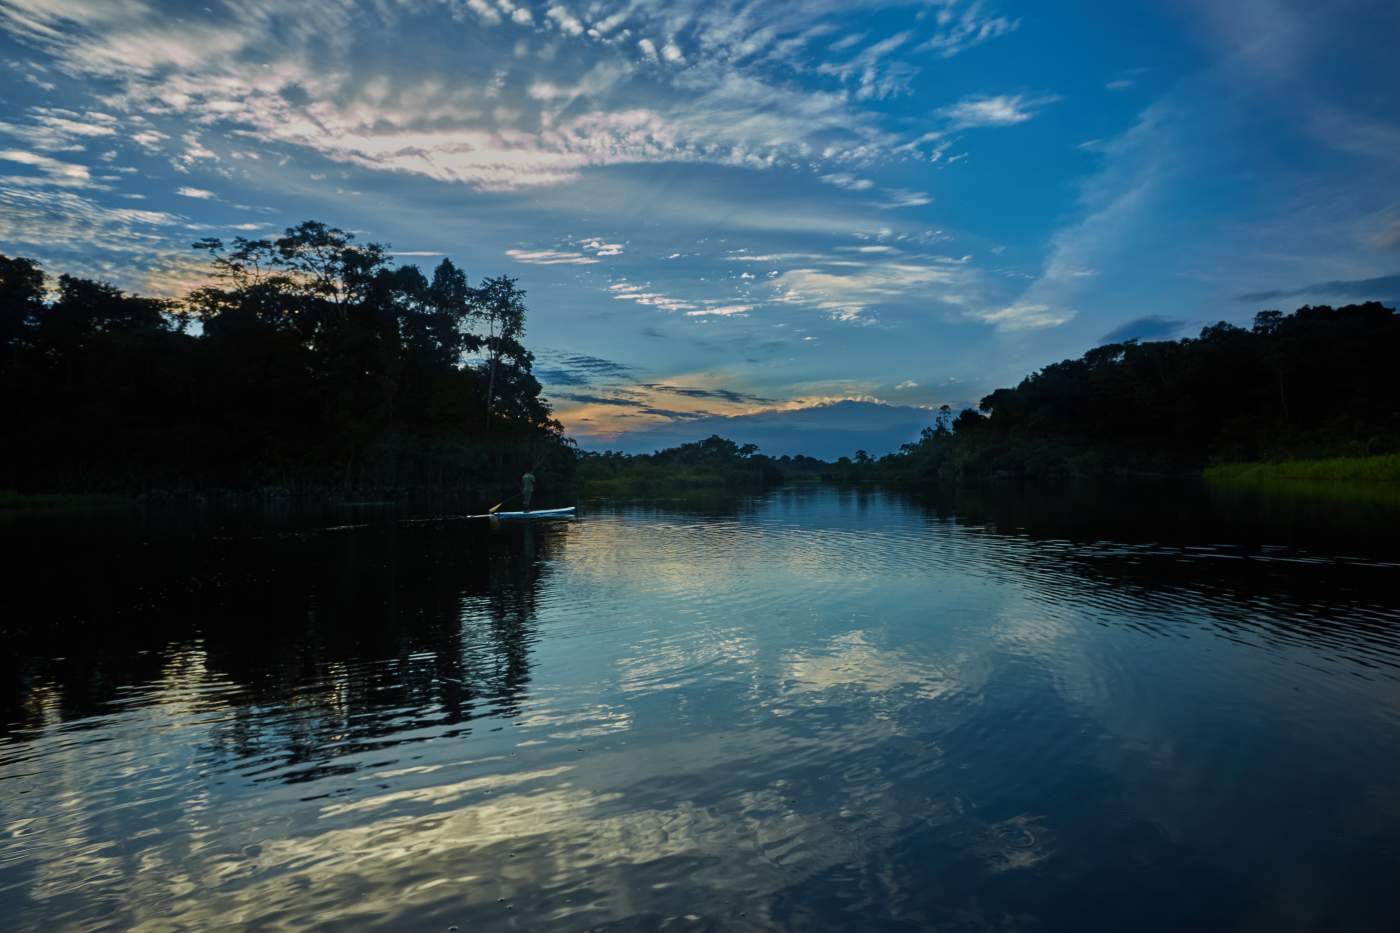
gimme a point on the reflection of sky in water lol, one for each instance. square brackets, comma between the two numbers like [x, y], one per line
[825, 708]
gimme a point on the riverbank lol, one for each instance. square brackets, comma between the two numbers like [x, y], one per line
[1372, 481]
[1378, 469]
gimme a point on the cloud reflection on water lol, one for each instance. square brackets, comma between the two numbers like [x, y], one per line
[847, 707]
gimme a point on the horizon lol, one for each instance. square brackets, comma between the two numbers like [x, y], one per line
[729, 211]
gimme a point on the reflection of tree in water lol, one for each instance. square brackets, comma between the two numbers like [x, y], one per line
[502, 617]
[326, 643]
[409, 633]
[1167, 555]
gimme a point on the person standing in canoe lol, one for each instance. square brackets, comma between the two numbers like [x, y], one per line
[527, 488]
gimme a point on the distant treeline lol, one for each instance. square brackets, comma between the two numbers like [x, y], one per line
[1318, 382]
[310, 364]
[714, 465]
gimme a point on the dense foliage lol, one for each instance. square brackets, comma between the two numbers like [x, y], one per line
[309, 364]
[1313, 383]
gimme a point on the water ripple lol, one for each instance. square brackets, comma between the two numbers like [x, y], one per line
[816, 707]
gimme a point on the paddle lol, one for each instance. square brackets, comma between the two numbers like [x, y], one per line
[492, 510]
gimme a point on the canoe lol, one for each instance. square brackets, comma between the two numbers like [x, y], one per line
[537, 513]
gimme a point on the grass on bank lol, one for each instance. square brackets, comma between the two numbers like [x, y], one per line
[1379, 469]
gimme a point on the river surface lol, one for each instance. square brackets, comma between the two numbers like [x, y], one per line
[814, 709]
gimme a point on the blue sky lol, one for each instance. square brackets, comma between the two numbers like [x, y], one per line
[724, 208]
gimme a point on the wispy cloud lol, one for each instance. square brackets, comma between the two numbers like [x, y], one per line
[994, 110]
[646, 295]
[894, 198]
[289, 73]
[971, 28]
[53, 129]
[847, 180]
[550, 257]
[1383, 287]
[599, 247]
[851, 291]
[578, 369]
[719, 311]
[1026, 316]
[51, 171]
[1149, 327]
[84, 230]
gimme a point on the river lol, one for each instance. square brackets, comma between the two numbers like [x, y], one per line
[813, 709]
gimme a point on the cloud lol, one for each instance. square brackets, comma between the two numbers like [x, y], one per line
[645, 295]
[827, 428]
[484, 11]
[671, 414]
[550, 257]
[199, 194]
[870, 248]
[726, 395]
[1150, 327]
[86, 233]
[846, 180]
[52, 172]
[687, 397]
[1113, 203]
[149, 140]
[584, 398]
[720, 311]
[51, 129]
[874, 78]
[993, 110]
[774, 257]
[971, 29]
[194, 151]
[566, 22]
[894, 198]
[1026, 317]
[300, 73]
[598, 247]
[578, 369]
[1384, 233]
[1381, 287]
[849, 290]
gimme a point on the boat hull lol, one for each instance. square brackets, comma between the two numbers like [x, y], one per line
[537, 513]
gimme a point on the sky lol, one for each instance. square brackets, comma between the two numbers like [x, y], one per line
[737, 208]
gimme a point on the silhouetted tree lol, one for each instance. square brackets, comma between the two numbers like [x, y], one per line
[500, 305]
[1315, 382]
[308, 360]
[21, 302]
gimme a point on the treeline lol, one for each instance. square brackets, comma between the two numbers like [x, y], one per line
[309, 365]
[709, 466]
[1318, 382]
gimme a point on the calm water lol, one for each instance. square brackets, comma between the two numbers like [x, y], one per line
[812, 710]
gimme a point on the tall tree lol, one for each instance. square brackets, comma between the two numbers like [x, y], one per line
[500, 305]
